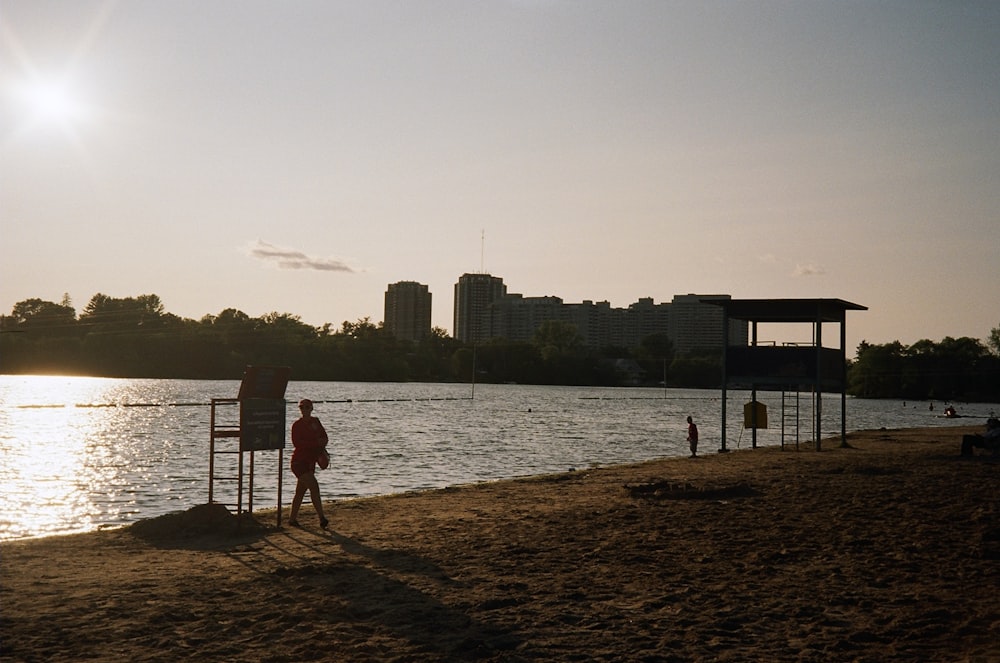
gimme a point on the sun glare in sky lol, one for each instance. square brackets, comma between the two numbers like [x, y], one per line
[44, 103]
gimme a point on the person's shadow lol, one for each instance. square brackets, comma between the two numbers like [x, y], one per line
[322, 577]
[375, 587]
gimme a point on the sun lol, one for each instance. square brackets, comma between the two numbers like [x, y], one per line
[50, 102]
[46, 92]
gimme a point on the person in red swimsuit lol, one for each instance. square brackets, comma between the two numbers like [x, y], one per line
[309, 439]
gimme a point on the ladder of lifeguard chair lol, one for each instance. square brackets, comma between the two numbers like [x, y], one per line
[790, 417]
[229, 432]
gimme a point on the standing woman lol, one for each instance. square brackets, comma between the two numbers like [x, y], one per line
[309, 439]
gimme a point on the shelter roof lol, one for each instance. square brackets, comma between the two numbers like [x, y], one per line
[786, 310]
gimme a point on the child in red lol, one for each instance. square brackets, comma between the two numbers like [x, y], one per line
[693, 437]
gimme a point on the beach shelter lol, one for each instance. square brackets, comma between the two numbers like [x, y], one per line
[810, 367]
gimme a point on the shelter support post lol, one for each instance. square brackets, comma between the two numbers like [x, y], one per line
[753, 393]
[818, 392]
[725, 376]
[843, 383]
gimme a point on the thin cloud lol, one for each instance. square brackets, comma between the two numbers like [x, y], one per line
[799, 269]
[808, 269]
[293, 259]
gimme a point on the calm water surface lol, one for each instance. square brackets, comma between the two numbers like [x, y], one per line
[79, 454]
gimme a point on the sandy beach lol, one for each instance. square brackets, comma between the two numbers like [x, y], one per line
[888, 550]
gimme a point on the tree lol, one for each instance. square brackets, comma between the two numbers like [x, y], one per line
[993, 342]
[565, 359]
[41, 313]
[287, 325]
[126, 313]
[654, 354]
[953, 368]
[555, 338]
[877, 370]
[701, 368]
[43, 338]
[500, 360]
[431, 359]
[655, 347]
[959, 367]
[363, 328]
[368, 352]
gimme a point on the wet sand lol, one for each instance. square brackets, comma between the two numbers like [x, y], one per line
[885, 551]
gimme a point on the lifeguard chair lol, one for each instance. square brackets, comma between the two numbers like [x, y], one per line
[787, 368]
[260, 427]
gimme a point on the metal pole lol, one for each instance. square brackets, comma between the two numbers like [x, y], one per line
[798, 420]
[753, 399]
[783, 418]
[843, 380]
[819, 379]
[239, 485]
[725, 376]
[250, 493]
[211, 453]
[281, 467]
[473, 371]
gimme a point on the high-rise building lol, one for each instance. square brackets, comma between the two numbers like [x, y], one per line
[517, 318]
[408, 310]
[694, 325]
[595, 323]
[473, 295]
[645, 318]
[485, 310]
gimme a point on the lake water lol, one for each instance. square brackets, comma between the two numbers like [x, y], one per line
[79, 454]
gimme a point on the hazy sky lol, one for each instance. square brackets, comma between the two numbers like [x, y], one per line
[297, 157]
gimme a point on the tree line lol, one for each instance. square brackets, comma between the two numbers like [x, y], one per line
[137, 337]
[952, 369]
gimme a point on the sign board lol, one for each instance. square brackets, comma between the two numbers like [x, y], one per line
[264, 382]
[754, 415]
[262, 424]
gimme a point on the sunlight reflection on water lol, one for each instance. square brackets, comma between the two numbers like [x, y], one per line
[78, 454]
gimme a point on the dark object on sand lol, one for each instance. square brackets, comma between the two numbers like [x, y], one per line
[990, 440]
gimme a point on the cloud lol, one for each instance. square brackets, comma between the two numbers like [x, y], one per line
[808, 269]
[293, 259]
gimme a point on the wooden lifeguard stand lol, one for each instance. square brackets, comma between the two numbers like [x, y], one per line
[787, 368]
[261, 426]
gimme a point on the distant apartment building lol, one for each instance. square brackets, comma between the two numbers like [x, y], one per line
[484, 310]
[516, 318]
[598, 324]
[408, 310]
[642, 319]
[696, 326]
[473, 295]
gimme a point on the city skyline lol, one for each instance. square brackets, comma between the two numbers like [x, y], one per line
[297, 158]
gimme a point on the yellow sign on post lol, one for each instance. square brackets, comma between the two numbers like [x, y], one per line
[754, 415]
